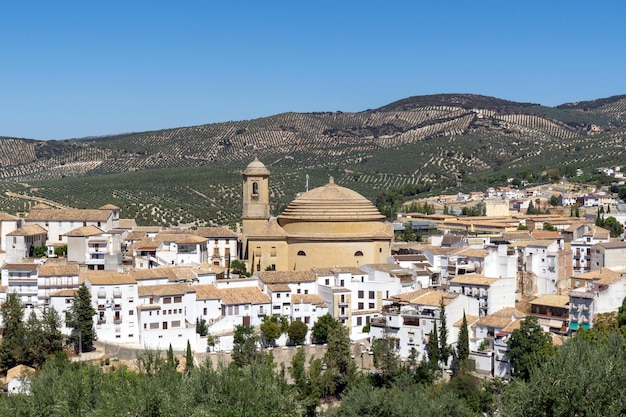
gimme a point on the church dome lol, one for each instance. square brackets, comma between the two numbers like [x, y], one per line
[256, 168]
[330, 203]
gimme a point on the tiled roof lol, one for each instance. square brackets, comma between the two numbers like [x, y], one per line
[329, 272]
[30, 230]
[425, 297]
[243, 295]
[313, 299]
[474, 253]
[68, 215]
[106, 278]
[279, 287]
[192, 240]
[269, 229]
[21, 267]
[601, 276]
[215, 232]
[63, 293]
[50, 269]
[7, 217]
[392, 269]
[471, 320]
[164, 289]
[85, 231]
[551, 300]
[127, 223]
[501, 318]
[541, 243]
[277, 277]
[109, 207]
[473, 279]
[207, 292]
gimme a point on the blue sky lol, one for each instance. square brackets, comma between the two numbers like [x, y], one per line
[86, 68]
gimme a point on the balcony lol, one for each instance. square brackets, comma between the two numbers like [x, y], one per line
[117, 294]
[102, 321]
[117, 307]
[102, 294]
[117, 320]
[102, 307]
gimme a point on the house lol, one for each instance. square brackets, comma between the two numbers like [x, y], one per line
[608, 255]
[552, 312]
[8, 223]
[166, 315]
[54, 276]
[281, 285]
[410, 317]
[22, 242]
[58, 222]
[582, 241]
[21, 279]
[94, 248]
[601, 291]
[114, 297]
[18, 379]
[221, 244]
[488, 351]
[493, 294]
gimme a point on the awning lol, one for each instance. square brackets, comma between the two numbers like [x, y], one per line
[573, 326]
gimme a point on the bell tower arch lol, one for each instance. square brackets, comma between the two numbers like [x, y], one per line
[256, 198]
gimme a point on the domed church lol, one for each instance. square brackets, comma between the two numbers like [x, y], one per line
[327, 226]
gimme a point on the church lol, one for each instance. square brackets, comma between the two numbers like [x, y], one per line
[324, 227]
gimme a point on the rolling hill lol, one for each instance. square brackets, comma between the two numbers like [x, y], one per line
[192, 174]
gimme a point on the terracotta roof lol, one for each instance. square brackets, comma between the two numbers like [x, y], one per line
[269, 229]
[277, 277]
[164, 289]
[501, 318]
[424, 297]
[392, 269]
[7, 217]
[109, 207]
[29, 230]
[415, 257]
[436, 250]
[313, 299]
[602, 276]
[85, 231]
[612, 245]
[127, 223]
[148, 307]
[546, 234]
[192, 240]
[63, 293]
[21, 267]
[106, 278]
[514, 325]
[68, 215]
[174, 273]
[50, 269]
[279, 287]
[473, 279]
[18, 371]
[474, 253]
[207, 292]
[541, 243]
[471, 320]
[215, 232]
[552, 300]
[328, 272]
[243, 295]
[136, 235]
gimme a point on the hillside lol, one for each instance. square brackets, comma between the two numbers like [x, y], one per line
[192, 174]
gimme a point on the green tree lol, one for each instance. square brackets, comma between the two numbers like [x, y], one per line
[270, 329]
[621, 314]
[323, 326]
[238, 267]
[340, 368]
[245, 350]
[188, 359]
[308, 385]
[297, 332]
[614, 226]
[445, 350]
[528, 346]
[13, 345]
[242, 333]
[171, 361]
[585, 377]
[386, 359]
[201, 327]
[462, 346]
[80, 320]
[433, 346]
[549, 227]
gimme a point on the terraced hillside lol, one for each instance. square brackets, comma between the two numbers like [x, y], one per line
[192, 174]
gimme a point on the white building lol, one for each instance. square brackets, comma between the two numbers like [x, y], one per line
[221, 244]
[493, 294]
[21, 279]
[95, 248]
[21, 242]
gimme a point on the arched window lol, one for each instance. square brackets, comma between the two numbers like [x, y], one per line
[358, 253]
[255, 188]
[301, 253]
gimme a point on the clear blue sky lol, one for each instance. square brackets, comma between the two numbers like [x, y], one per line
[85, 68]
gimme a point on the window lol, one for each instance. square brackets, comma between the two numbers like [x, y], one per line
[164, 325]
[255, 188]
[277, 295]
[273, 251]
[298, 291]
[301, 253]
[372, 306]
[176, 323]
[360, 306]
[326, 281]
[361, 293]
[204, 311]
[372, 295]
[358, 253]
[131, 312]
[167, 300]
[306, 291]
[154, 326]
[359, 321]
[178, 299]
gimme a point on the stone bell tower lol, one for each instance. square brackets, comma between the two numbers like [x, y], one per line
[256, 199]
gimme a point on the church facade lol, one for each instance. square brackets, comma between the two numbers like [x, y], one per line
[325, 227]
